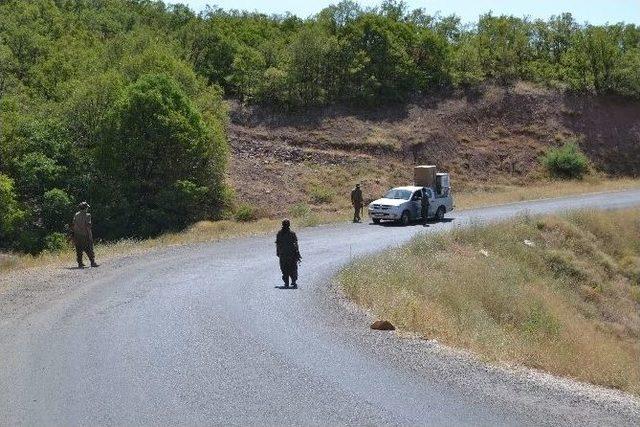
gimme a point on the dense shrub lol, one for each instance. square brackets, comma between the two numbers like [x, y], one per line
[55, 242]
[56, 209]
[567, 161]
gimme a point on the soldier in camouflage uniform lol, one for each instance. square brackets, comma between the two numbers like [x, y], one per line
[288, 252]
[82, 235]
[356, 202]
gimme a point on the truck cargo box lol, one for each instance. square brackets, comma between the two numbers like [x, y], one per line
[443, 184]
[442, 180]
[424, 175]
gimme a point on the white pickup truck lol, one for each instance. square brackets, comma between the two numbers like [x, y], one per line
[403, 204]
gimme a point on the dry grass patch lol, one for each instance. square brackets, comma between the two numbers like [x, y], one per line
[568, 304]
[543, 189]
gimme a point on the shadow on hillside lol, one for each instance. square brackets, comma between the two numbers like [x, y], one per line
[609, 129]
[311, 117]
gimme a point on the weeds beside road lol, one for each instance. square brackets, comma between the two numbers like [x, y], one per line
[566, 300]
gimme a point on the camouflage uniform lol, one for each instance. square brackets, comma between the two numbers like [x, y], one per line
[357, 202]
[288, 252]
[82, 235]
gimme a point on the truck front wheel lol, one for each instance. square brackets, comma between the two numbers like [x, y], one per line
[376, 220]
[405, 219]
[440, 213]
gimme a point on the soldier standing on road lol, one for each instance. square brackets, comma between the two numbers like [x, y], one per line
[82, 235]
[289, 253]
[356, 201]
[424, 205]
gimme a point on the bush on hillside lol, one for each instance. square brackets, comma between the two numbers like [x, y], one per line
[567, 162]
[321, 194]
[300, 210]
[245, 213]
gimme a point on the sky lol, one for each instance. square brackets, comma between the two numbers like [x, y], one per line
[592, 11]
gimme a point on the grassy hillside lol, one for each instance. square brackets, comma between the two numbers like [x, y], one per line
[568, 303]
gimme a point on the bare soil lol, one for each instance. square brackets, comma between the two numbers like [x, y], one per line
[485, 139]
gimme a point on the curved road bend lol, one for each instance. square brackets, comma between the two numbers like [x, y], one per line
[200, 334]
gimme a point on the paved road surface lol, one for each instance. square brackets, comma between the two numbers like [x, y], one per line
[201, 335]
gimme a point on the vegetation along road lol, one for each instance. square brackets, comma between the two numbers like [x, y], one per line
[201, 334]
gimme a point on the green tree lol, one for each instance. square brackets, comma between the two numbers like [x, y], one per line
[431, 55]
[11, 217]
[627, 74]
[212, 53]
[379, 65]
[308, 71]
[466, 68]
[601, 49]
[503, 46]
[157, 149]
[36, 173]
[246, 70]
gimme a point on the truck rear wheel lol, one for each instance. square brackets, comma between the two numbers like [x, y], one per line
[376, 220]
[440, 213]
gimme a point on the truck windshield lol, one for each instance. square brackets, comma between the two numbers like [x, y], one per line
[398, 194]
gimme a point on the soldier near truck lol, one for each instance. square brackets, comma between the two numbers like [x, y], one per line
[356, 202]
[83, 235]
[289, 253]
[424, 206]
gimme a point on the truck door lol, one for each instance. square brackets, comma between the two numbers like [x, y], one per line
[415, 208]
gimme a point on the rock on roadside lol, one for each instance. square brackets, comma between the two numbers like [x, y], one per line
[382, 325]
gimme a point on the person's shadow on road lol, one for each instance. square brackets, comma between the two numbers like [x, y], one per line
[285, 287]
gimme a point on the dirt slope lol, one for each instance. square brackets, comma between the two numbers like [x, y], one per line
[487, 139]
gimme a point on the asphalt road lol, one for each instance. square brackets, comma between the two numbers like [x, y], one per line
[201, 334]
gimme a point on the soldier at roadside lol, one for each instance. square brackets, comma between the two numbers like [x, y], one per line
[356, 202]
[289, 253]
[424, 206]
[82, 235]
